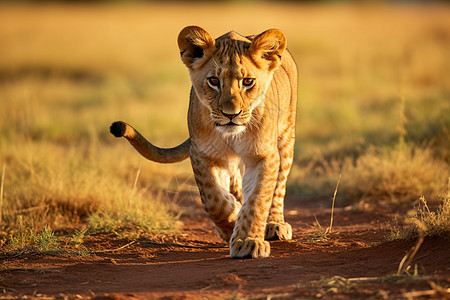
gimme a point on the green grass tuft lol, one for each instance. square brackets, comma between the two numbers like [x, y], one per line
[46, 241]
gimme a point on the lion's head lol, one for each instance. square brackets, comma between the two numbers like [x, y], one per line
[230, 75]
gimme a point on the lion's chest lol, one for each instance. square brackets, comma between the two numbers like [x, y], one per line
[229, 148]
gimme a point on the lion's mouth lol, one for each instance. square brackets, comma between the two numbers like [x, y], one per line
[231, 123]
[230, 127]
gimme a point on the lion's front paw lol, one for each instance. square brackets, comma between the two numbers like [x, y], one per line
[278, 231]
[249, 248]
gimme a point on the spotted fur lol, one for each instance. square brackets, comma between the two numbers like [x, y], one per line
[241, 123]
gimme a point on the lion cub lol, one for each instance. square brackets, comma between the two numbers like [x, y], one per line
[241, 123]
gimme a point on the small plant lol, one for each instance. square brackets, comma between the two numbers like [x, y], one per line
[78, 237]
[431, 223]
[395, 234]
[320, 234]
[24, 237]
[425, 223]
[323, 234]
[46, 241]
[21, 237]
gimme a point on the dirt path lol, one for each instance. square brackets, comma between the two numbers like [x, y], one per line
[352, 263]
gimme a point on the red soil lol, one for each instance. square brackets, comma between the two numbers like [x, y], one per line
[355, 261]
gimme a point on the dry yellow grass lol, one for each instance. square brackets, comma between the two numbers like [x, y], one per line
[369, 75]
[398, 175]
[430, 223]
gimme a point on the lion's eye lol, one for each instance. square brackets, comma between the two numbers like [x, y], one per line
[248, 82]
[214, 81]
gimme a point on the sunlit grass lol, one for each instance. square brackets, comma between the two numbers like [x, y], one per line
[397, 175]
[430, 222]
[370, 76]
[77, 186]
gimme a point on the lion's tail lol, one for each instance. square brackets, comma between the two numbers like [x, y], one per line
[146, 149]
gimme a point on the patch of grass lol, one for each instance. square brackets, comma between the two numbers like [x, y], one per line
[137, 219]
[395, 234]
[372, 287]
[353, 286]
[26, 237]
[394, 175]
[71, 187]
[424, 223]
[428, 223]
[46, 241]
[77, 238]
[319, 234]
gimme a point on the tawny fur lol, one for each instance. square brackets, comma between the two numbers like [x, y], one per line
[241, 123]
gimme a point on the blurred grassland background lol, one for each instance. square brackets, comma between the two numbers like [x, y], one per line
[374, 97]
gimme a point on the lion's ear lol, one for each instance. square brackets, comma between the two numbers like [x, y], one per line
[267, 48]
[196, 46]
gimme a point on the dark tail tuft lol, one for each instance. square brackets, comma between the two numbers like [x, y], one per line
[118, 129]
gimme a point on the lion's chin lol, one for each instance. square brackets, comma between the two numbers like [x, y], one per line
[230, 128]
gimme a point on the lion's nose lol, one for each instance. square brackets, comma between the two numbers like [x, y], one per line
[231, 116]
